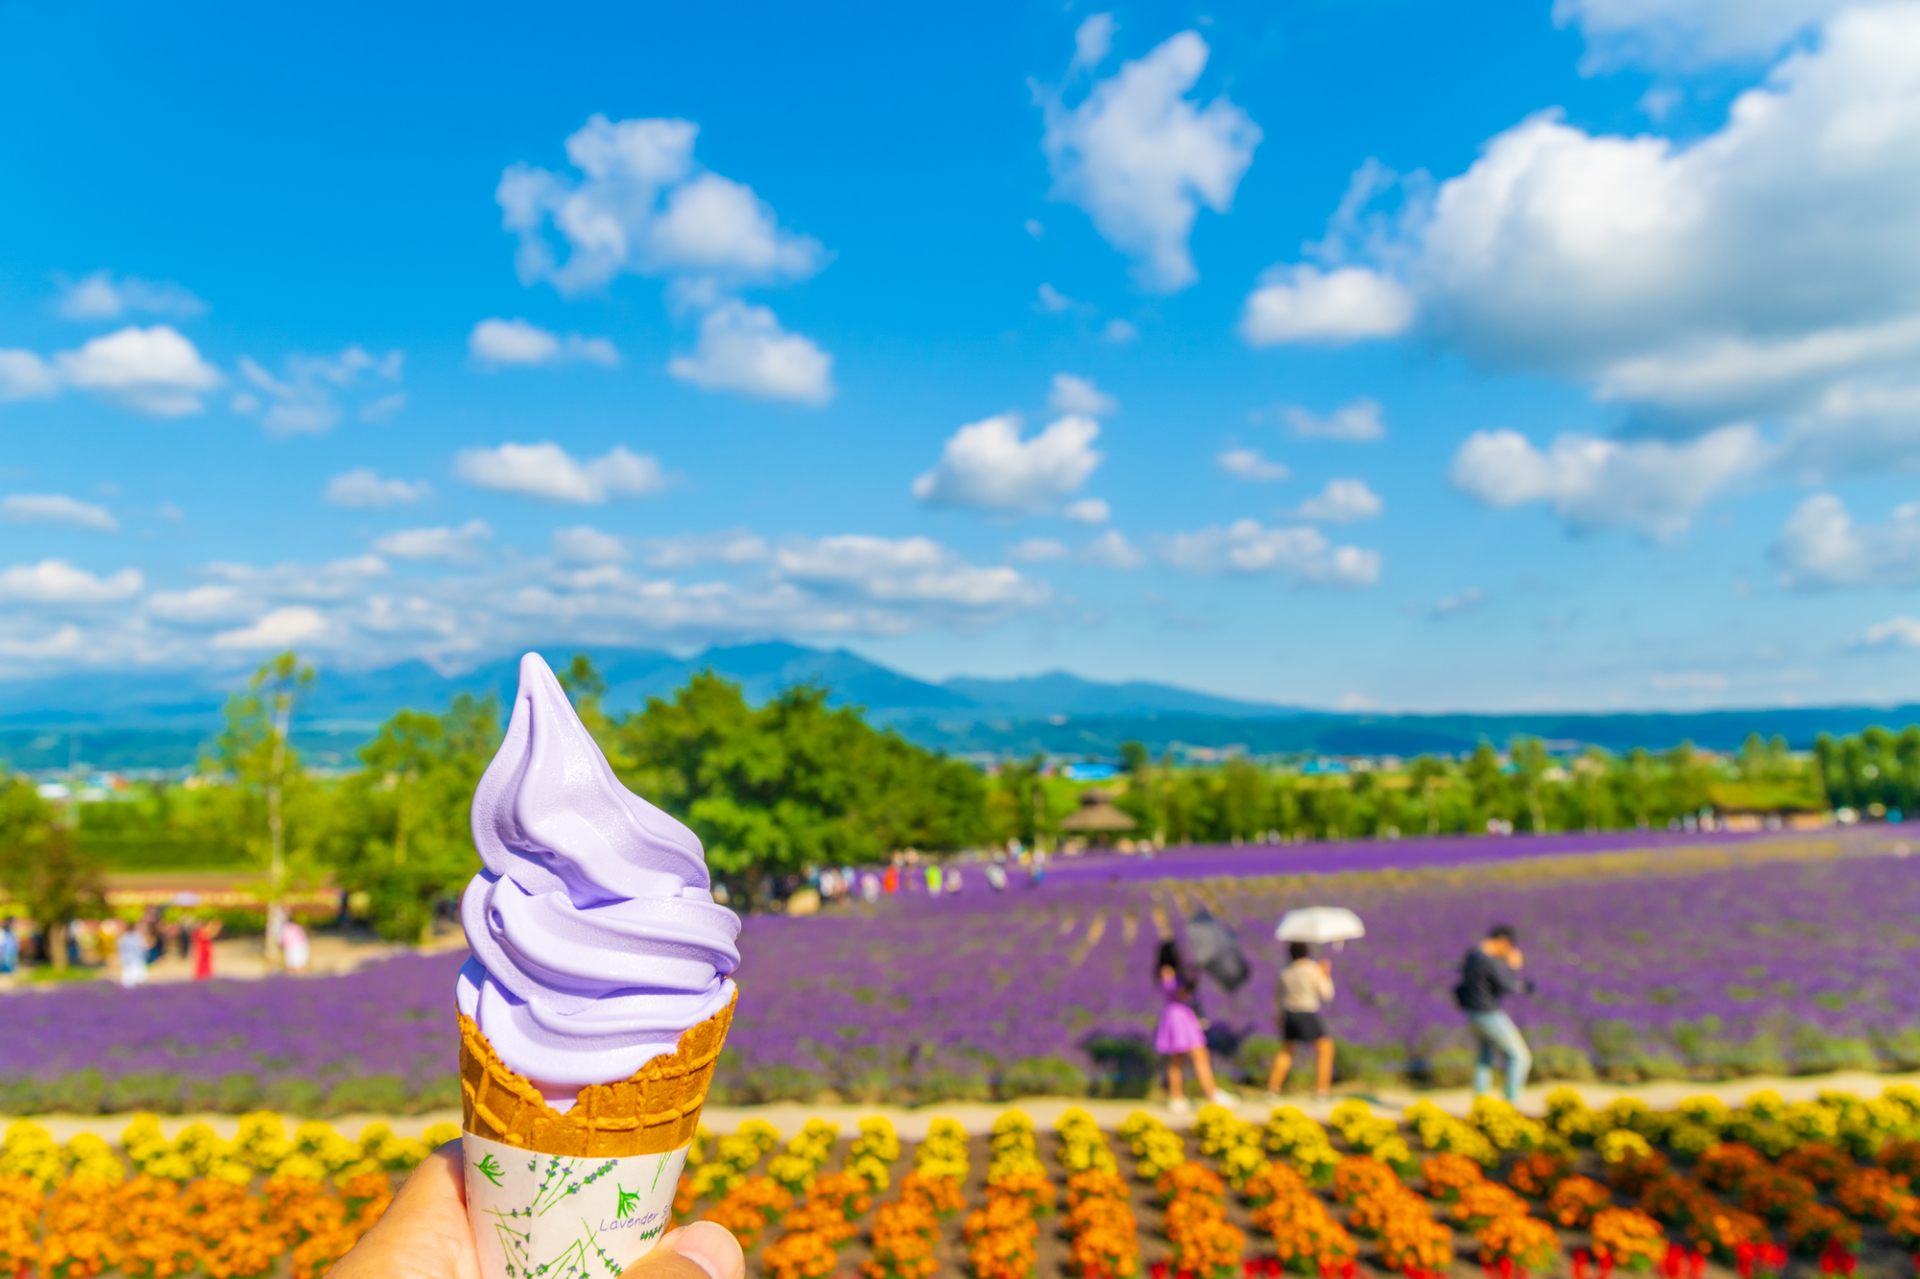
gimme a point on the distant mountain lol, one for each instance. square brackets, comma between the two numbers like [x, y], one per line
[1059, 693]
[168, 719]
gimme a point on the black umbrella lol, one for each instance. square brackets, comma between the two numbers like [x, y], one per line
[1216, 951]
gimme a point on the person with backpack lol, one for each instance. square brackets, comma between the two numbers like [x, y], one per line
[1179, 1034]
[1489, 973]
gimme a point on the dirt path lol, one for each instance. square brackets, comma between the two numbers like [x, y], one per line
[978, 1117]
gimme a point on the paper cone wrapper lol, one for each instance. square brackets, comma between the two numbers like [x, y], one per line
[585, 1194]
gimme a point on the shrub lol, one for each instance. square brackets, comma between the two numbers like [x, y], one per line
[1043, 1077]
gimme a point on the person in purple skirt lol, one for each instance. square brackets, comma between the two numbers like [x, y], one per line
[1179, 1036]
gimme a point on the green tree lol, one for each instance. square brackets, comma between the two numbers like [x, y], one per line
[1530, 762]
[1425, 776]
[42, 869]
[400, 828]
[1134, 758]
[255, 748]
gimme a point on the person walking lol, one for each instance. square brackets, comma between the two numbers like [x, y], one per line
[1179, 1036]
[1306, 986]
[1489, 973]
[203, 935]
[132, 951]
[9, 946]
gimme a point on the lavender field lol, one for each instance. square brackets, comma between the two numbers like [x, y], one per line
[1708, 961]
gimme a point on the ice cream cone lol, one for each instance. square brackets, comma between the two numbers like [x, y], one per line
[655, 1110]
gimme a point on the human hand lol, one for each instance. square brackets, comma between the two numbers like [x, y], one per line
[425, 1235]
[1515, 958]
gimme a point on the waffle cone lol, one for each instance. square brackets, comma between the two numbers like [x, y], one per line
[653, 1111]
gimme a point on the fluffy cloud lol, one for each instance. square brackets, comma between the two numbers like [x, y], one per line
[1112, 550]
[1653, 486]
[153, 370]
[1895, 632]
[283, 628]
[26, 376]
[1307, 304]
[100, 296]
[639, 204]
[1689, 34]
[1251, 464]
[304, 398]
[904, 570]
[1341, 502]
[1767, 268]
[988, 465]
[546, 470]
[1037, 550]
[1093, 40]
[56, 582]
[1822, 545]
[743, 348]
[734, 546]
[1453, 605]
[1248, 546]
[1071, 394]
[497, 343]
[584, 545]
[443, 542]
[330, 580]
[201, 605]
[366, 488]
[1088, 510]
[56, 508]
[1357, 422]
[1142, 157]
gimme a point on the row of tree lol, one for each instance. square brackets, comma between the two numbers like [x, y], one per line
[795, 782]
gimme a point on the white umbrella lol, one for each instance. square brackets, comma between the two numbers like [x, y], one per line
[1320, 924]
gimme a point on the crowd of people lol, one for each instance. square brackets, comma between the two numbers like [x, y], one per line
[1490, 972]
[131, 950]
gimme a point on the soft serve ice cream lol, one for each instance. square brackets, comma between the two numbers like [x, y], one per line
[596, 940]
[594, 1008]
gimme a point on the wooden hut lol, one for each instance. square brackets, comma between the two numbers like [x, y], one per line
[1097, 821]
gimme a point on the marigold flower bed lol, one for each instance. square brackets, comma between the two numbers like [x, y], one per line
[1704, 1189]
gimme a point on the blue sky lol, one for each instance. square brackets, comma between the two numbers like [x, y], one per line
[1388, 354]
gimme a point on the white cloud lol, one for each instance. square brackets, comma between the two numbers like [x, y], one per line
[58, 582]
[210, 605]
[153, 370]
[1088, 510]
[1689, 682]
[100, 296]
[442, 542]
[1304, 303]
[743, 348]
[1895, 632]
[283, 628]
[1142, 158]
[25, 376]
[1822, 545]
[1119, 332]
[304, 398]
[1053, 301]
[1766, 268]
[1034, 227]
[1037, 550]
[365, 488]
[1112, 550]
[56, 508]
[546, 470]
[1653, 486]
[639, 204]
[497, 343]
[1073, 394]
[1356, 422]
[1689, 34]
[331, 580]
[905, 570]
[989, 466]
[1342, 502]
[1251, 464]
[584, 545]
[1093, 40]
[1248, 546]
[1459, 602]
[734, 546]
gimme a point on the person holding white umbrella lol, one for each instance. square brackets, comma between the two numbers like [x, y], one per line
[1306, 986]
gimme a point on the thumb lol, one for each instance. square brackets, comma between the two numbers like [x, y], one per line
[703, 1250]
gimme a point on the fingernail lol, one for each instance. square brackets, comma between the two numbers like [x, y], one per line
[711, 1247]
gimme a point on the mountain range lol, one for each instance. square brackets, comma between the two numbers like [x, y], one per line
[166, 719]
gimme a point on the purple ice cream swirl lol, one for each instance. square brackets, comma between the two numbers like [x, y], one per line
[596, 940]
